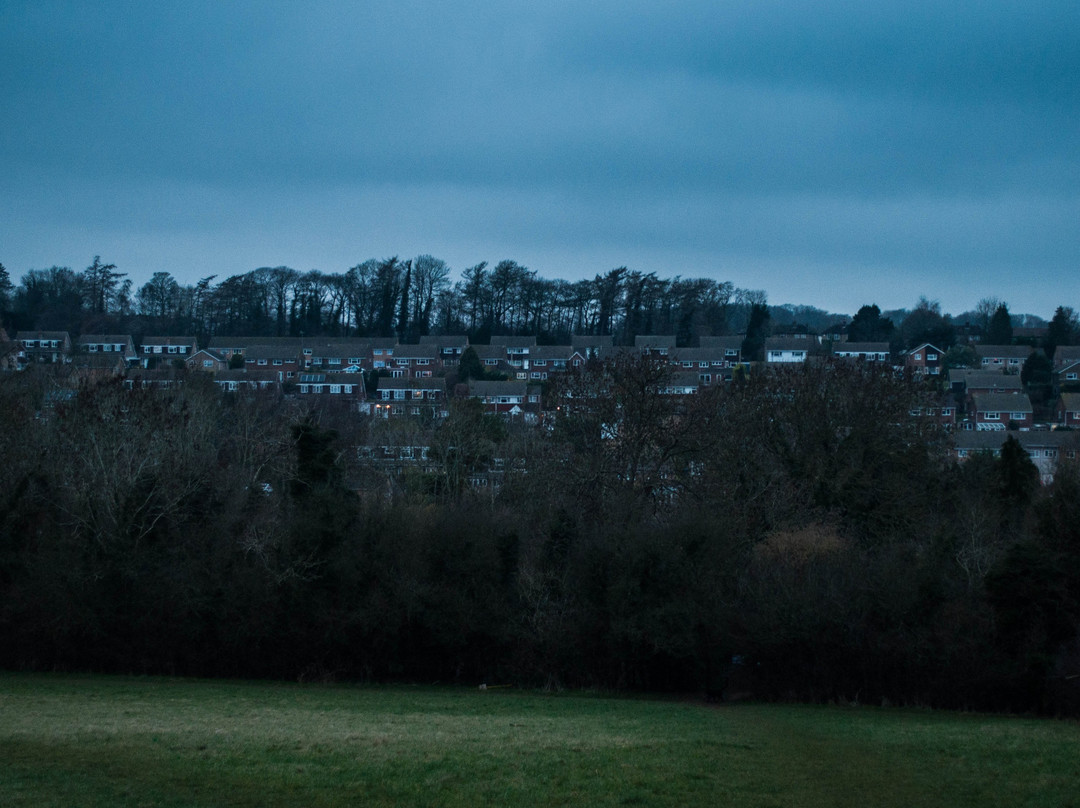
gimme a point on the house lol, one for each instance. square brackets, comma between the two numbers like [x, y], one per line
[493, 358]
[157, 378]
[925, 360]
[516, 349]
[152, 349]
[335, 388]
[382, 352]
[680, 384]
[709, 364]
[43, 346]
[206, 360]
[416, 396]
[1067, 410]
[449, 348]
[1067, 377]
[228, 346]
[1009, 358]
[351, 354]
[510, 398]
[244, 381]
[1045, 448]
[998, 411]
[547, 359]
[98, 366]
[1066, 355]
[281, 358]
[787, 350]
[943, 411]
[415, 361]
[589, 346]
[967, 380]
[655, 344]
[730, 347]
[866, 351]
[109, 343]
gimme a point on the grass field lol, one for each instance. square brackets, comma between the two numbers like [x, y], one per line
[103, 741]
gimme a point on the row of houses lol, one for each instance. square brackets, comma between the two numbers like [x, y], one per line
[387, 379]
[986, 400]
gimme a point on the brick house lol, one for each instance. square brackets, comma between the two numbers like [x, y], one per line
[925, 360]
[157, 348]
[998, 411]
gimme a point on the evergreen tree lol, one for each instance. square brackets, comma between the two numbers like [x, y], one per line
[1000, 331]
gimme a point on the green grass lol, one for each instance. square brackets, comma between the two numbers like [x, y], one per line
[103, 741]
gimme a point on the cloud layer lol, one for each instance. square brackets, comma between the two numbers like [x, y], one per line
[831, 153]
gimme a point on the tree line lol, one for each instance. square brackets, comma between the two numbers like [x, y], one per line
[390, 297]
[791, 535]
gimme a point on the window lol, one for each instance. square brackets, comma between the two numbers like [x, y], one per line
[335, 389]
[277, 362]
[931, 357]
[687, 364]
[208, 363]
[992, 416]
[1070, 377]
[396, 373]
[422, 361]
[917, 357]
[262, 361]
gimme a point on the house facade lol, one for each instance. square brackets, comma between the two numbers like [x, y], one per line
[925, 360]
[154, 349]
[999, 411]
[50, 347]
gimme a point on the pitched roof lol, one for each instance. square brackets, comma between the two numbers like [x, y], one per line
[1004, 351]
[1001, 402]
[509, 387]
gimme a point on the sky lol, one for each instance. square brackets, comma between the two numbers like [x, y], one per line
[833, 153]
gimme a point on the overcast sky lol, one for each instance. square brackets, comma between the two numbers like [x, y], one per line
[830, 153]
